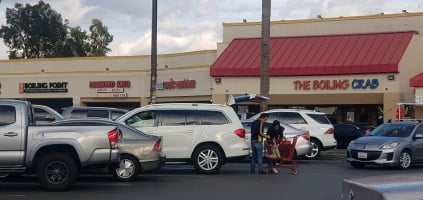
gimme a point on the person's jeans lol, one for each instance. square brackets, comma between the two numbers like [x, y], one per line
[257, 155]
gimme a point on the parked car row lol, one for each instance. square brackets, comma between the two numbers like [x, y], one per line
[397, 144]
[303, 145]
[315, 123]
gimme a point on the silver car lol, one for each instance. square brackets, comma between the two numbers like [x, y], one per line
[303, 145]
[394, 144]
[139, 152]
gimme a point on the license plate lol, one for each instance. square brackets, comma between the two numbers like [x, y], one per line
[362, 155]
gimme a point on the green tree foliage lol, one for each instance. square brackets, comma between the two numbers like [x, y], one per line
[76, 44]
[32, 31]
[100, 38]
[39, 32]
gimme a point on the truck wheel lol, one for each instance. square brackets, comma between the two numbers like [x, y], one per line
[127, 170]
[56, 171]
[207, 159]
[315, 150]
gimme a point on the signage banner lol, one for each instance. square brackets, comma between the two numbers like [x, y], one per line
[112, 95]
[172, 84]
[43, 87]
[336, 84]
[109, 90]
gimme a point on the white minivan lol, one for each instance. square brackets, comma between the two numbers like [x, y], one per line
[206, 135]
[316, 123]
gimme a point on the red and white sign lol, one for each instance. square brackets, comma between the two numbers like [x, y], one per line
[113, 95]
[109, 90]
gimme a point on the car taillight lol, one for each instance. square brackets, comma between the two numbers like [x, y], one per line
[158, 145]
[306, 136]
[240, 132]
[113, 138]
[329, 131]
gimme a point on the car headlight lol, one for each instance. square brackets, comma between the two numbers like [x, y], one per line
[390, 146]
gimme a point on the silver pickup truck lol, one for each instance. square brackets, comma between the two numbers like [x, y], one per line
[55, 153]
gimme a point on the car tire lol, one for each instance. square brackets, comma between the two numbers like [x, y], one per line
[404, 160]
[315, 150]
[357, 165]
[207, 159]
[57, 171]
[127, 169]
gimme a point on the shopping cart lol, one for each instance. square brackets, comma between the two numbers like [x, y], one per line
[287, 153]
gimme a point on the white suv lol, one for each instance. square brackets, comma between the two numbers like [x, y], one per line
[316, 123]
[206, 135]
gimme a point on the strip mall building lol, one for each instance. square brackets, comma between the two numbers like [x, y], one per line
[353, 68]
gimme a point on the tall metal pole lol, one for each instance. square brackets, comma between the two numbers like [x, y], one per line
[265, 53]
[153, 82]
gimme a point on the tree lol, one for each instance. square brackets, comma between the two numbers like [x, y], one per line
[32, 31]
[100, 38]
[76, 44]
[39, 32]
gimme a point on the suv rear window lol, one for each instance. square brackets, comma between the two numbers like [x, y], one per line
[321, 119]
[287, 117]
[212, 118]
[177, 118]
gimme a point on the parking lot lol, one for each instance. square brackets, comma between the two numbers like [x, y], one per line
[316, 179]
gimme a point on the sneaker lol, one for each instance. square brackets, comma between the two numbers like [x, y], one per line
[274, 170]
[252, 172]
[262, 172]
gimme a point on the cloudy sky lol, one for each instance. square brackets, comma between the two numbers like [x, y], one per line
[189, 25]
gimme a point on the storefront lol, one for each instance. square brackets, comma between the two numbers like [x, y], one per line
[353, 68]
[121, 82]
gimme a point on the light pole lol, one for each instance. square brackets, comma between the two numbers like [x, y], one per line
[153, 82]
[265, 53]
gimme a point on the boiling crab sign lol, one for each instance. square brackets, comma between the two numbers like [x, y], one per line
[342, 84]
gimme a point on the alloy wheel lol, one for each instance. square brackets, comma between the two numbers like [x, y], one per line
[126, 168]
[57, 172]
[208, 159]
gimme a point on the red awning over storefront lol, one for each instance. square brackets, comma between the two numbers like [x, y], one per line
[316, 55]
[417, 81]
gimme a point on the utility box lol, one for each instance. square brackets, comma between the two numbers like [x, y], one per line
[387, 187]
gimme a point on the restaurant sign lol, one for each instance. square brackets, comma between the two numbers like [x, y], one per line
[113, 89]
[43, 87]
[172, 84]
[344, 84]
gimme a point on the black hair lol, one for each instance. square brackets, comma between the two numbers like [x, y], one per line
[263, 115]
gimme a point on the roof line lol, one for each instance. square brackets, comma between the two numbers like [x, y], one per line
[111, 57]
[328, 35]
[100, 71]
[341, 18]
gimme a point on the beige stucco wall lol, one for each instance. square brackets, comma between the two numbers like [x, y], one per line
[78, 72]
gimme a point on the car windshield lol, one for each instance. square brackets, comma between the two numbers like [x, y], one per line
[393, 130]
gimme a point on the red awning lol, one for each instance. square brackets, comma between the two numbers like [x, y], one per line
[417, 81]
[316, 55]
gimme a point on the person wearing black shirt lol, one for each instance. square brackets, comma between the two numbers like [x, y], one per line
[257, 135]
[275, 133]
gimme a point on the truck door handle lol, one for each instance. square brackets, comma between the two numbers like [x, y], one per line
[11, 134]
